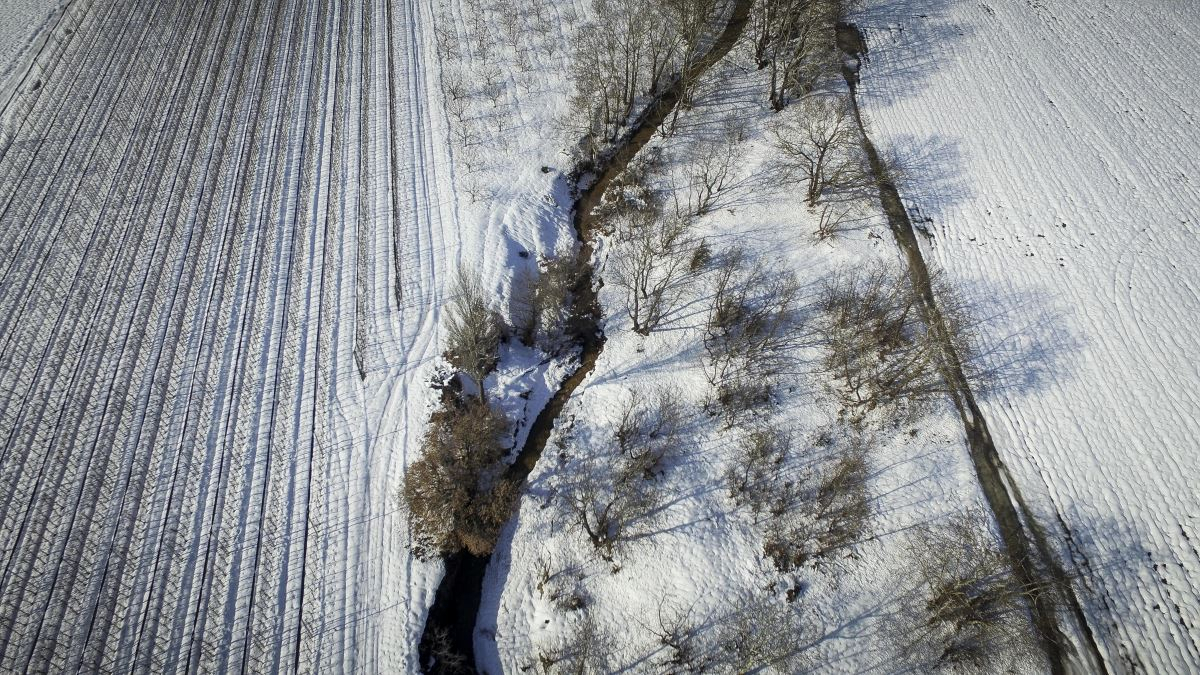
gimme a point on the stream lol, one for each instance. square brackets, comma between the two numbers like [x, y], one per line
[455, 607]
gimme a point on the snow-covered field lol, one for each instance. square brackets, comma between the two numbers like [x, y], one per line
[226, 231]
[1055, 145]
[223, 230]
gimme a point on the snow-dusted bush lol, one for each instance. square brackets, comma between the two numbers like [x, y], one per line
[456, 491]
[648, 429]
[472, 329]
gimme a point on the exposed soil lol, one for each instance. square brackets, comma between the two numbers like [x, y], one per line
[456, 605]
[1034, 562]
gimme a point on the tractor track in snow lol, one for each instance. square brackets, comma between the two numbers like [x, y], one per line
[200, 207]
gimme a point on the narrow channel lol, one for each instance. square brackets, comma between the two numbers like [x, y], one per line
[455, 607]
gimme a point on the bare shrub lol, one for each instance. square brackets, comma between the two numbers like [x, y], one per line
[676, 629]
[648, 430]
[831, 515]
[972, 612]
[753, 327]
[838, 219]
[710, 169]
[753, 475]
[586, 650]
[648, 264]
[456, 492]
[878, 345]
[606, 499]
[820, 144]
[444, 657]
[762, 636]
[472, 329]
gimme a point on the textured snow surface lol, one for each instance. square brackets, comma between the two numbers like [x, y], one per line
[207, 210]
[22, 22]
[1055, 146]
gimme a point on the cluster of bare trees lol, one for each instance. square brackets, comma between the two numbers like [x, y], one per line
[878, 344]
[971, 613]
[753, 328]
[548, 318]
[796, 39]
[489, 51]
[632, 49]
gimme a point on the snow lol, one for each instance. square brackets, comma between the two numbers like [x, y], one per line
[214, 216]
[698, 551]
[198, 231]
[1054, 145]
[21, 23]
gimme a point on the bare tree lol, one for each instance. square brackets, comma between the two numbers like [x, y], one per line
[607, 498]
[820, 143]
[677, 630]
[796, 40]
[753, 477]
[711, 171]
[648, 431]
[648, 264]
[456, 491]
[878, 344]
[972, 612]
[830, 515]
[472, 328]
[838, 219]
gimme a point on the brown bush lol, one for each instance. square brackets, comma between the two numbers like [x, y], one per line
[455, 491]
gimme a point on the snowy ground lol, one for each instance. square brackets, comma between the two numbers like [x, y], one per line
[213, 217]
[1054, 144]
[22, 24]
[225, 229]
[699, 551]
